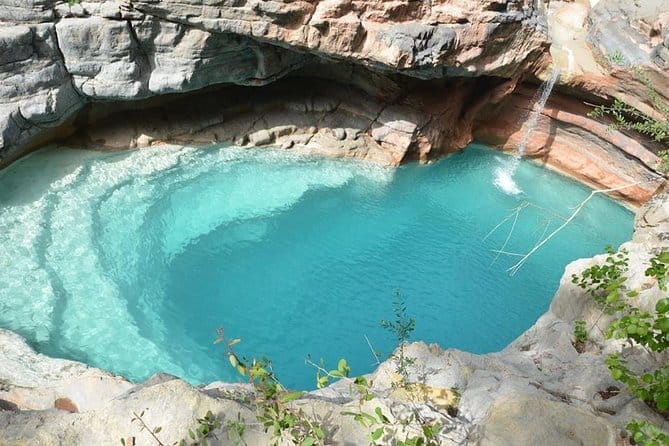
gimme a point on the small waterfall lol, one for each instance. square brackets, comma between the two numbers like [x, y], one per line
[504, 174]
[542, 94]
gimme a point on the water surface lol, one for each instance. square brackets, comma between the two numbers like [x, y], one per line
[130, 261]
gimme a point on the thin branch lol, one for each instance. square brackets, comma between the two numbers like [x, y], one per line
[547, 210]
[548, 224]
[508, 237]
[147, 428]
[507, 253]
[376, 356]
[515, 211]
[327, 373]
[514, 269]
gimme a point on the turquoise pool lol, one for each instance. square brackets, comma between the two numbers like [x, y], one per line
[130, 261]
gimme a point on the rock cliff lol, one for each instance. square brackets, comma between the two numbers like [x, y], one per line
[57, 58]
[386, 81]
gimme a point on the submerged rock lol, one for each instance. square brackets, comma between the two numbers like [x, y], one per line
[538, 390]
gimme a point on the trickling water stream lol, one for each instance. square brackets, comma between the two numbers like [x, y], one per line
[543, 94]
[504, 176]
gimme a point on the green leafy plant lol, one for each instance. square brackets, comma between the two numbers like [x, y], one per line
[407, 430]
[401, 328]
[659, 269]
[652, 388]
[606, 283]
[648, 329]
[205, 429]
[629, 118]
[273, 409]
[580, 335]
[398, 430]
[236, 430]
[287, 423]
[153, 432]
[626, 117]
[664, 160]
[616, 58]
[198, 435]
[647, 434]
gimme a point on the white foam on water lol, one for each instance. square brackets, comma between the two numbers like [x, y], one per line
[504, 181]
[504, 176]
[76, 234]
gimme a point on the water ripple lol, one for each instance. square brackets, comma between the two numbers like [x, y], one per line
[130, 261]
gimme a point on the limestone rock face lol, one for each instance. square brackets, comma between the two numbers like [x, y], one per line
[57, 57]
[636, 31]
[36, 92]
[432, 39]
[31, 11]
[382, 124]
[550, 421]
[103, 57]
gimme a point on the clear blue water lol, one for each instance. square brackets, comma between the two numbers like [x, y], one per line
[130, 261]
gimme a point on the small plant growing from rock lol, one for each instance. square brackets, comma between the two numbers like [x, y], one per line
[401, 328]
[664, 160]
[626, 117]
[236, 430]
[647, 434]
[274, 412]
[139, 418]
[287, 423]
[198, 435]
[206, 426]
[617, 58]
[648, 329]
[606, 282]
[402, 430]
[580, 336]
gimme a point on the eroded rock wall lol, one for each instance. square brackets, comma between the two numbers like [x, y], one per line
[381, 119]
[56, 58]
[566, 139]
[393, 80]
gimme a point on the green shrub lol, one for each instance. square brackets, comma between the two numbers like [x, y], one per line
[647, 434]
[606, 283]
[626, 117]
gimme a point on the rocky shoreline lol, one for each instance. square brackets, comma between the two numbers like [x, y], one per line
[538, 390]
